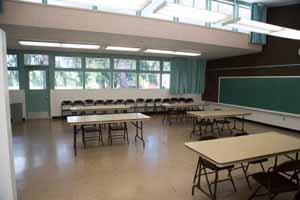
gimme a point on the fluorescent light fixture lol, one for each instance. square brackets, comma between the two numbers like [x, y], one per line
[287, 33]
[159, 51]
[137, 5]
[177, 10]
[115, 48]
[179, 53]
[59, 45]
[79, 46]
[40, 44]
[265, 28]
[253, 26]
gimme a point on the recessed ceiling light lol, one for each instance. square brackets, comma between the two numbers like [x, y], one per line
[116, 48]
[180, 53]
[177, 10]
[59, 45]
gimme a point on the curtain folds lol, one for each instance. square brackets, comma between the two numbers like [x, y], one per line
[258, 13]
[187, 76]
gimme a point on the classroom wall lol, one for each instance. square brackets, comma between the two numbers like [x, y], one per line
[279, 58]
[57, 96]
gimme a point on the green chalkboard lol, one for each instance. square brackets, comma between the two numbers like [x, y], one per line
[280, 94]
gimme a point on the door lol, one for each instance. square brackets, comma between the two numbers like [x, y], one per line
[37, 93]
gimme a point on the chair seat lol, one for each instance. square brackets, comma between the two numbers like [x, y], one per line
[279, 183]
[91, 128]
[259, 161]
[117, 128]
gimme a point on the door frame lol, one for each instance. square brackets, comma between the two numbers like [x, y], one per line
[38, 68]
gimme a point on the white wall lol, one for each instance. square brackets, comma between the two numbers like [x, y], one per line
[18, 96]
[57, 96]
[290, 121]
[7, 173]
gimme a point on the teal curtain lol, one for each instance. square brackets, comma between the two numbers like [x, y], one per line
[258, 13]
[187, 76]
[1, 6]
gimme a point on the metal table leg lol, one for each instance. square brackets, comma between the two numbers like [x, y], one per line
[75, 140]
[139, 128]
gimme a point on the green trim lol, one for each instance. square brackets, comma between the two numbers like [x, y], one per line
[253, 67]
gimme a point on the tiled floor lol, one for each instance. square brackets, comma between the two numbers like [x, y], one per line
[46, 168]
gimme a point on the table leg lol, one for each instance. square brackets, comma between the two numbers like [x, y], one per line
[139, 128]
[75, 140]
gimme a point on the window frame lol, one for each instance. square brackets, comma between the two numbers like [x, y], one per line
[17, 68]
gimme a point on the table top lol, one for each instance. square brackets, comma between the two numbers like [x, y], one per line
[174, 105]
[100, 107]
[109, 118]
[218, 113]
[234, 150]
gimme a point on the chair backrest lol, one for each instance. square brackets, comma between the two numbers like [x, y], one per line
[67, 102]
[181, 99]
[289, 166]
[129, 101]
[99, 102]
[108, 101]
[174, 99]
[207, 137]
[149, 100]
[78, 102]
[140, 100]
[157, 100]
[166, 100]
[89, 101]
[119, 101]
[189, 100]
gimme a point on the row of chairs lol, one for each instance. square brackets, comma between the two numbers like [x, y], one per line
[140, 104]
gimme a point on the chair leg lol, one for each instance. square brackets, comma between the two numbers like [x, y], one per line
[83, 137]
[254, 193]
[231, 179]
[262, 167]
[215, 185]
[126, 132]
[245, 169]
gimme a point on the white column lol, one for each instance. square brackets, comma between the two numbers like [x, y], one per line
[7, 172]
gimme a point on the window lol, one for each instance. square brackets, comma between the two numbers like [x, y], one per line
[124, 64]
[149, 65]
[13, 80]
[12, 60]
[97, 80]
[149, 81]
[97, 63]
[222, 7]
[124, 80]
[198, 4]
[67, 62]
[245, 13]
[165, 81]
[166, 66]
[37, 80]
[68, 80]
[36, 59]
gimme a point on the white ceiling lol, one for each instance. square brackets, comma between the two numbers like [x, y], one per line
[274, 2]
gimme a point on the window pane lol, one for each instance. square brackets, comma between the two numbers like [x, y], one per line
[149, 81]
[68, 80]
[124, 80]
[67, 62]
[36, 59]
[245, 13]
[167, 66]
[149, 65]
[12, 60]
[165, 81]
[225, 8]
[13, 80]
[97, 63]
[125, 64]
[97, 80]
[37, 80]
